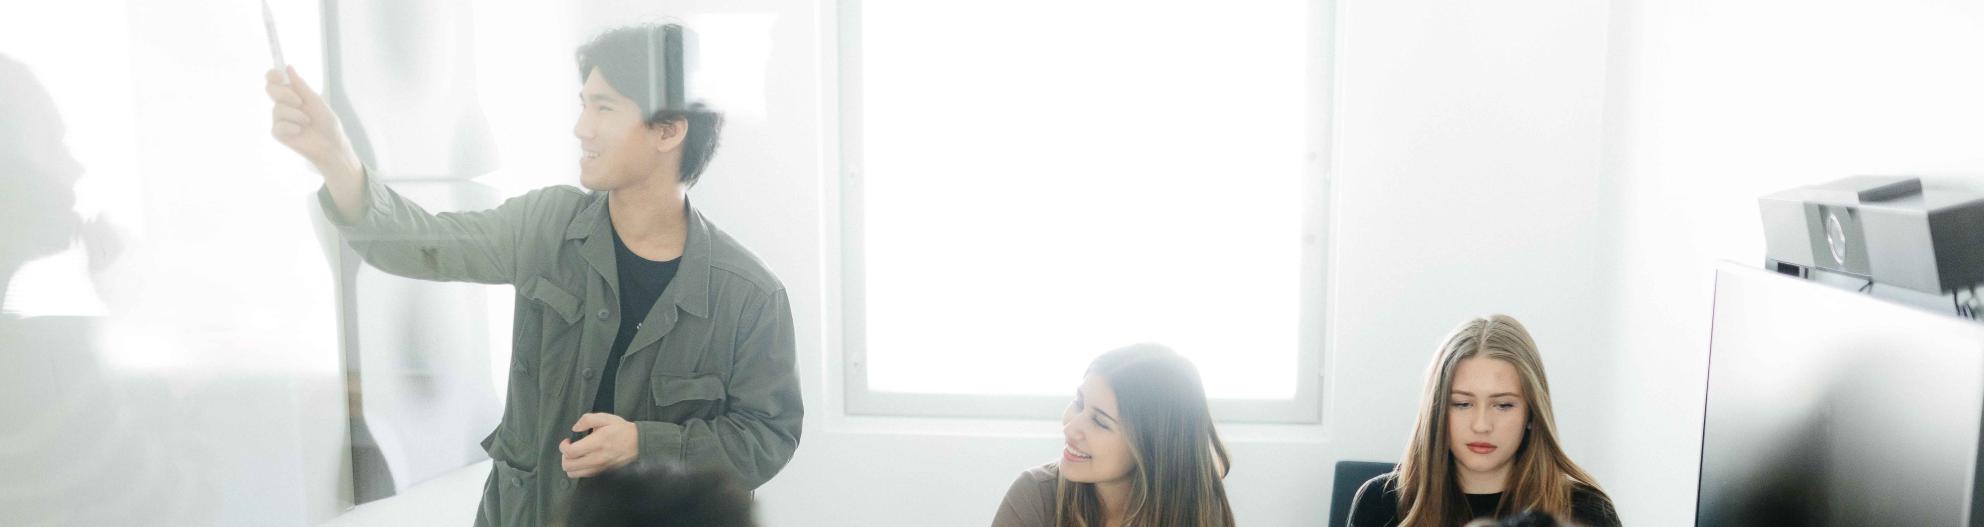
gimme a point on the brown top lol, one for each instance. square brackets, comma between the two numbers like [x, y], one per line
[1030, 501]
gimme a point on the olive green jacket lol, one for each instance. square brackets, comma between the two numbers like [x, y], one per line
[707, 380]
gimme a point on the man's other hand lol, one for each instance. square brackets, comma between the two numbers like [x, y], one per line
[614, 442]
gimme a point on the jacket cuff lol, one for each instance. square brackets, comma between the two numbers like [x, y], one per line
[660, 442]
[373, 194]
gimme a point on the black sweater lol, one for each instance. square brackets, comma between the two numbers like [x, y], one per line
[1376, 505]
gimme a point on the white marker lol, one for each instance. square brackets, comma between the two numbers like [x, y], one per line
[275, 46]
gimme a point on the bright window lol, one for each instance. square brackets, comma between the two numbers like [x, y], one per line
[1030, 183]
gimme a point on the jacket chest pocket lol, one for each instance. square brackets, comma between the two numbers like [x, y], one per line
[558, 327]
[680, 397]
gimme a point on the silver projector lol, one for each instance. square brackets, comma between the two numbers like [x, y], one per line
[1888, 229]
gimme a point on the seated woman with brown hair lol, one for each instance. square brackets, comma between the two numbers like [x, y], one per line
[1140, 451]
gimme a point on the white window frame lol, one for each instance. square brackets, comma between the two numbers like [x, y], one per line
[1304, 407]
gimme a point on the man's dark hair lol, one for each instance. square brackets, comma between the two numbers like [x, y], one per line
[645, 63]
[661, 495]
[1529, 518]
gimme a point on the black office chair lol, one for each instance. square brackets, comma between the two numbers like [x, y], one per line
[1349, 476]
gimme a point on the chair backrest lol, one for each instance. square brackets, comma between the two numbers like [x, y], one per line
[1349, 476]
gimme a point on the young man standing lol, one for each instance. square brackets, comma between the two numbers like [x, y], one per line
[639, 324]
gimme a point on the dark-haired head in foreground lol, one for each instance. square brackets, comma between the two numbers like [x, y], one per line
[660, 495]
[1526, 518]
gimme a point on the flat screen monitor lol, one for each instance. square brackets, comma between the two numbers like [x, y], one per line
[1829, 407]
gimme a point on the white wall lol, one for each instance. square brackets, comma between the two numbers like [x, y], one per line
[1713, 103]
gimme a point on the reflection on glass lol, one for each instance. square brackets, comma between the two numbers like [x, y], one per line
[73, 434]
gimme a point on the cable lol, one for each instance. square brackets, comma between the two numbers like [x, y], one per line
[1964, 309]
[1970, 308]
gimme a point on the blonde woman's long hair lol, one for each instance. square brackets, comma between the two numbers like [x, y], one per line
[1179, 460]
[1541, 477]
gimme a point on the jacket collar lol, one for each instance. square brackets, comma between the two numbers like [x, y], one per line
[690, 289]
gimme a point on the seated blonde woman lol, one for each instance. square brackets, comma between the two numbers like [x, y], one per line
[1486, 444]
[1141, 451]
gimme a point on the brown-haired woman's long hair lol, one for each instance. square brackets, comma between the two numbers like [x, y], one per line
[1180, 461]
[1541, 477]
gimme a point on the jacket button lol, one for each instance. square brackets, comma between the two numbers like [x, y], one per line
[602, 314]
[588, 373]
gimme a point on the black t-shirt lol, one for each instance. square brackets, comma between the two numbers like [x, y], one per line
[1376, 505]
[641, 283]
